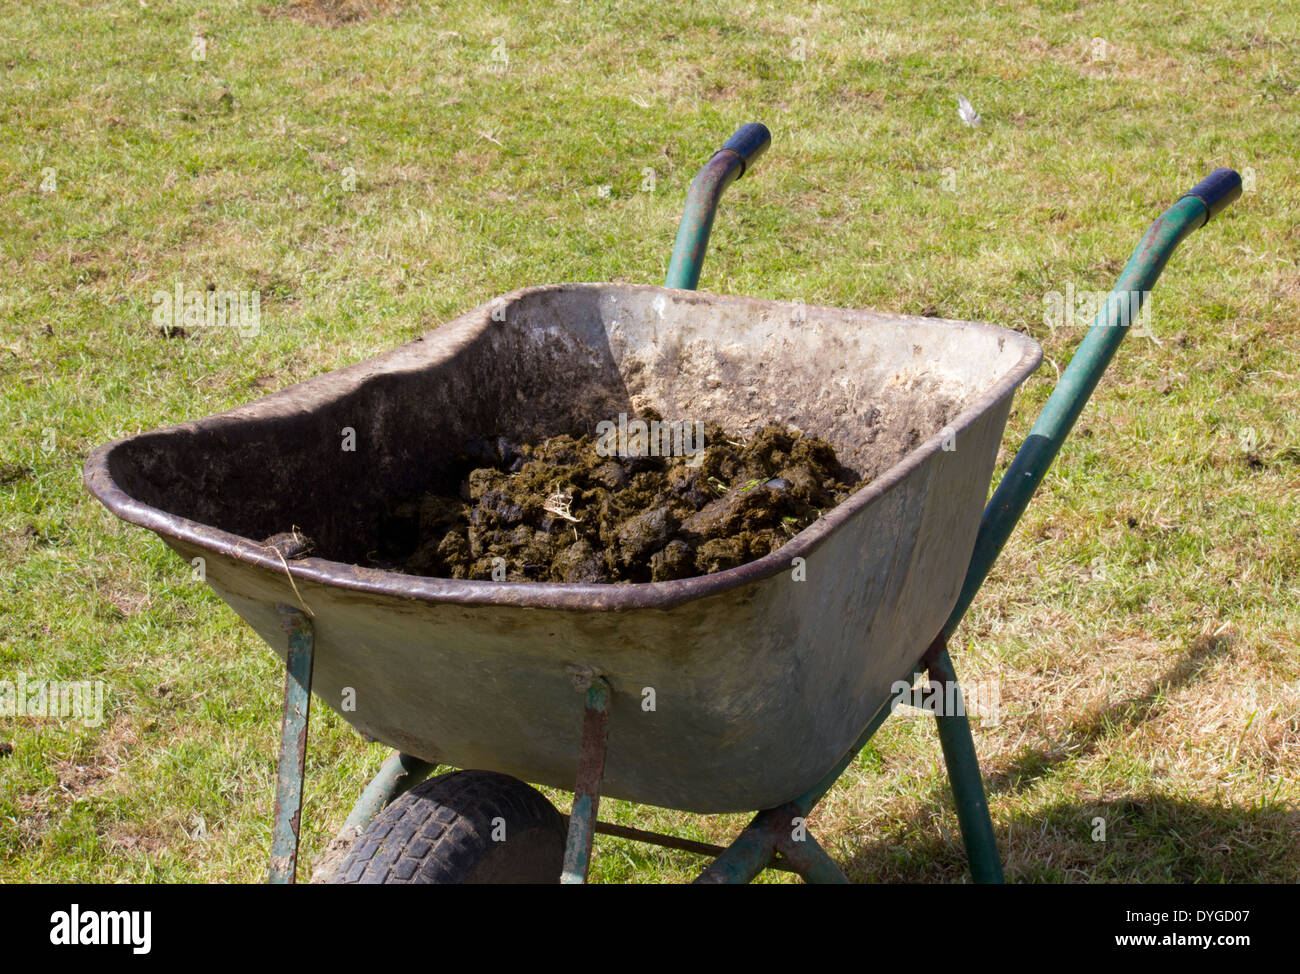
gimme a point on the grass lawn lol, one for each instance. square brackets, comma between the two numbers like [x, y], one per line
[373, 169]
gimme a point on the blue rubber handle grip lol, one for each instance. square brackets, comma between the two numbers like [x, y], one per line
[1217, 191]
[749, 142]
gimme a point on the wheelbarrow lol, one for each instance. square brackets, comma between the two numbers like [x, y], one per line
[752, 688]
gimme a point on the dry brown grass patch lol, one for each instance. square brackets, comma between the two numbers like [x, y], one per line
[331, 13]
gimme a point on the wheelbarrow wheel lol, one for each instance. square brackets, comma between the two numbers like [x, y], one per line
[463, 827]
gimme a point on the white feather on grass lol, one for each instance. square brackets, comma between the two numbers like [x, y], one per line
[967, 112]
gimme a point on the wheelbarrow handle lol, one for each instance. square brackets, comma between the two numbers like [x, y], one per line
[727, 165]
[1192, 211]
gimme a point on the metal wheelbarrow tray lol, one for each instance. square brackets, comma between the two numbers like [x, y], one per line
[762, 675]
[762, 678]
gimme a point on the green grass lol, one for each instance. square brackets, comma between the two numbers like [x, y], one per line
[1142, 622]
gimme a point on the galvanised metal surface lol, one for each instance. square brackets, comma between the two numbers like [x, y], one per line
[754, 847]
[762, 676]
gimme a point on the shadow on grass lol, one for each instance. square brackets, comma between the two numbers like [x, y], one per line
[1140, 837]
[1149, 838]
[1087, 733]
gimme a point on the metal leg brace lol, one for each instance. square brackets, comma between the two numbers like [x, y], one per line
[293, 747]
[586, 793]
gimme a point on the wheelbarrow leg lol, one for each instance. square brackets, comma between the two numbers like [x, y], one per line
[806, 856]
[964, 772]
[399, 774]
[586, 792]
[293, 747]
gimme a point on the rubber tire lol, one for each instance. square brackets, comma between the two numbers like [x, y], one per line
[441, 832]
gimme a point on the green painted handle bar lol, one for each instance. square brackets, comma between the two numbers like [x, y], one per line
[728, 164]
[1192, 211]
